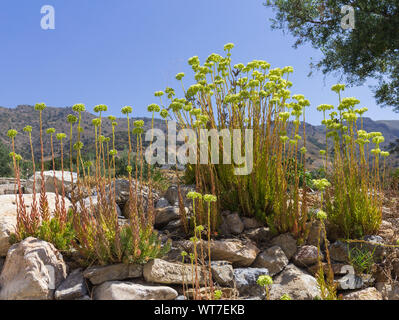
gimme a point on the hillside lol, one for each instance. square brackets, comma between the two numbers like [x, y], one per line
[24, 115]
[17, 118]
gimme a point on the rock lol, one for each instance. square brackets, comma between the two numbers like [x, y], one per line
[117, 290]
[395, 268]
[174, 226]
[121, 271]
[72, 288]
[205, 293]
[338, 268]
[165, 215]
[49, 181]
[9, 189]
[365, 294]
[231, 224]
[260, 235]
[8, 215]
[388, 291]
[315, 233]
[32, 271]
[162, 203]
[239, 253]
[339, 251]
[386, 230]
[251, 223]
[298, 284]
[306, 256]
[273, 259]
[245, 279]
[122, 192]
[222, 273]
[378, 251]
[287, 243]
[92, 203]
[160, 271]
[172, 195]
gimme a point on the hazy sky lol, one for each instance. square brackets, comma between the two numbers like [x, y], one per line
[119, 52]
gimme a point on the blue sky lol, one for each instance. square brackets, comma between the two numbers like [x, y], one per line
[119, 52]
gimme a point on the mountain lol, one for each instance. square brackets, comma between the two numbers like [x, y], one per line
[17, 118]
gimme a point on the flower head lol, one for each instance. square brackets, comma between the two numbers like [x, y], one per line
[100, 108]
[27, 129]
[72, 118]
[126, 110]
[264, 281]
[210, 198]
[61, 136]
[194, 195]
[138, 123]
[96, 122]
[40, 106]
[12, 133]
[321, 215]
[79, 107]
[228, 46]
[180, 76]
[153, 108]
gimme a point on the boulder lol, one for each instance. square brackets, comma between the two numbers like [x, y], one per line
[172, 195]
[73, 287]
[121, 271]
[306, 256]
[32, 271]
[250, 223]
[231, 224]
[274, 259]
[298, 284]
[160, 271]
[365, 294]
[339, 252]
[8, 215]
[388, 291]
[117, 290]
[222, 273]
[165, 215]
[316, 234]
[9, 189]
[245, 280]
[239, 253]
[287, 243]
[92, 202]
[122, 192]
[162, 203]
[49, 181]
[260, 235]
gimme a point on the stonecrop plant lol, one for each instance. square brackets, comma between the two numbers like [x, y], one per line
[242, 97]
[92, 223]
[354, 201]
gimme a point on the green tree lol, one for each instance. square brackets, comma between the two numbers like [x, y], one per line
[370, 50]
[5, 168]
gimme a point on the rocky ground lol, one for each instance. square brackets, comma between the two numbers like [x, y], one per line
[243, 250]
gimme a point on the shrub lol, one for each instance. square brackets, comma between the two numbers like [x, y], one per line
[251, 96]
[354, 201]
[94, 231]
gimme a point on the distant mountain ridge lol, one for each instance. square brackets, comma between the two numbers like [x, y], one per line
[23, 115]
